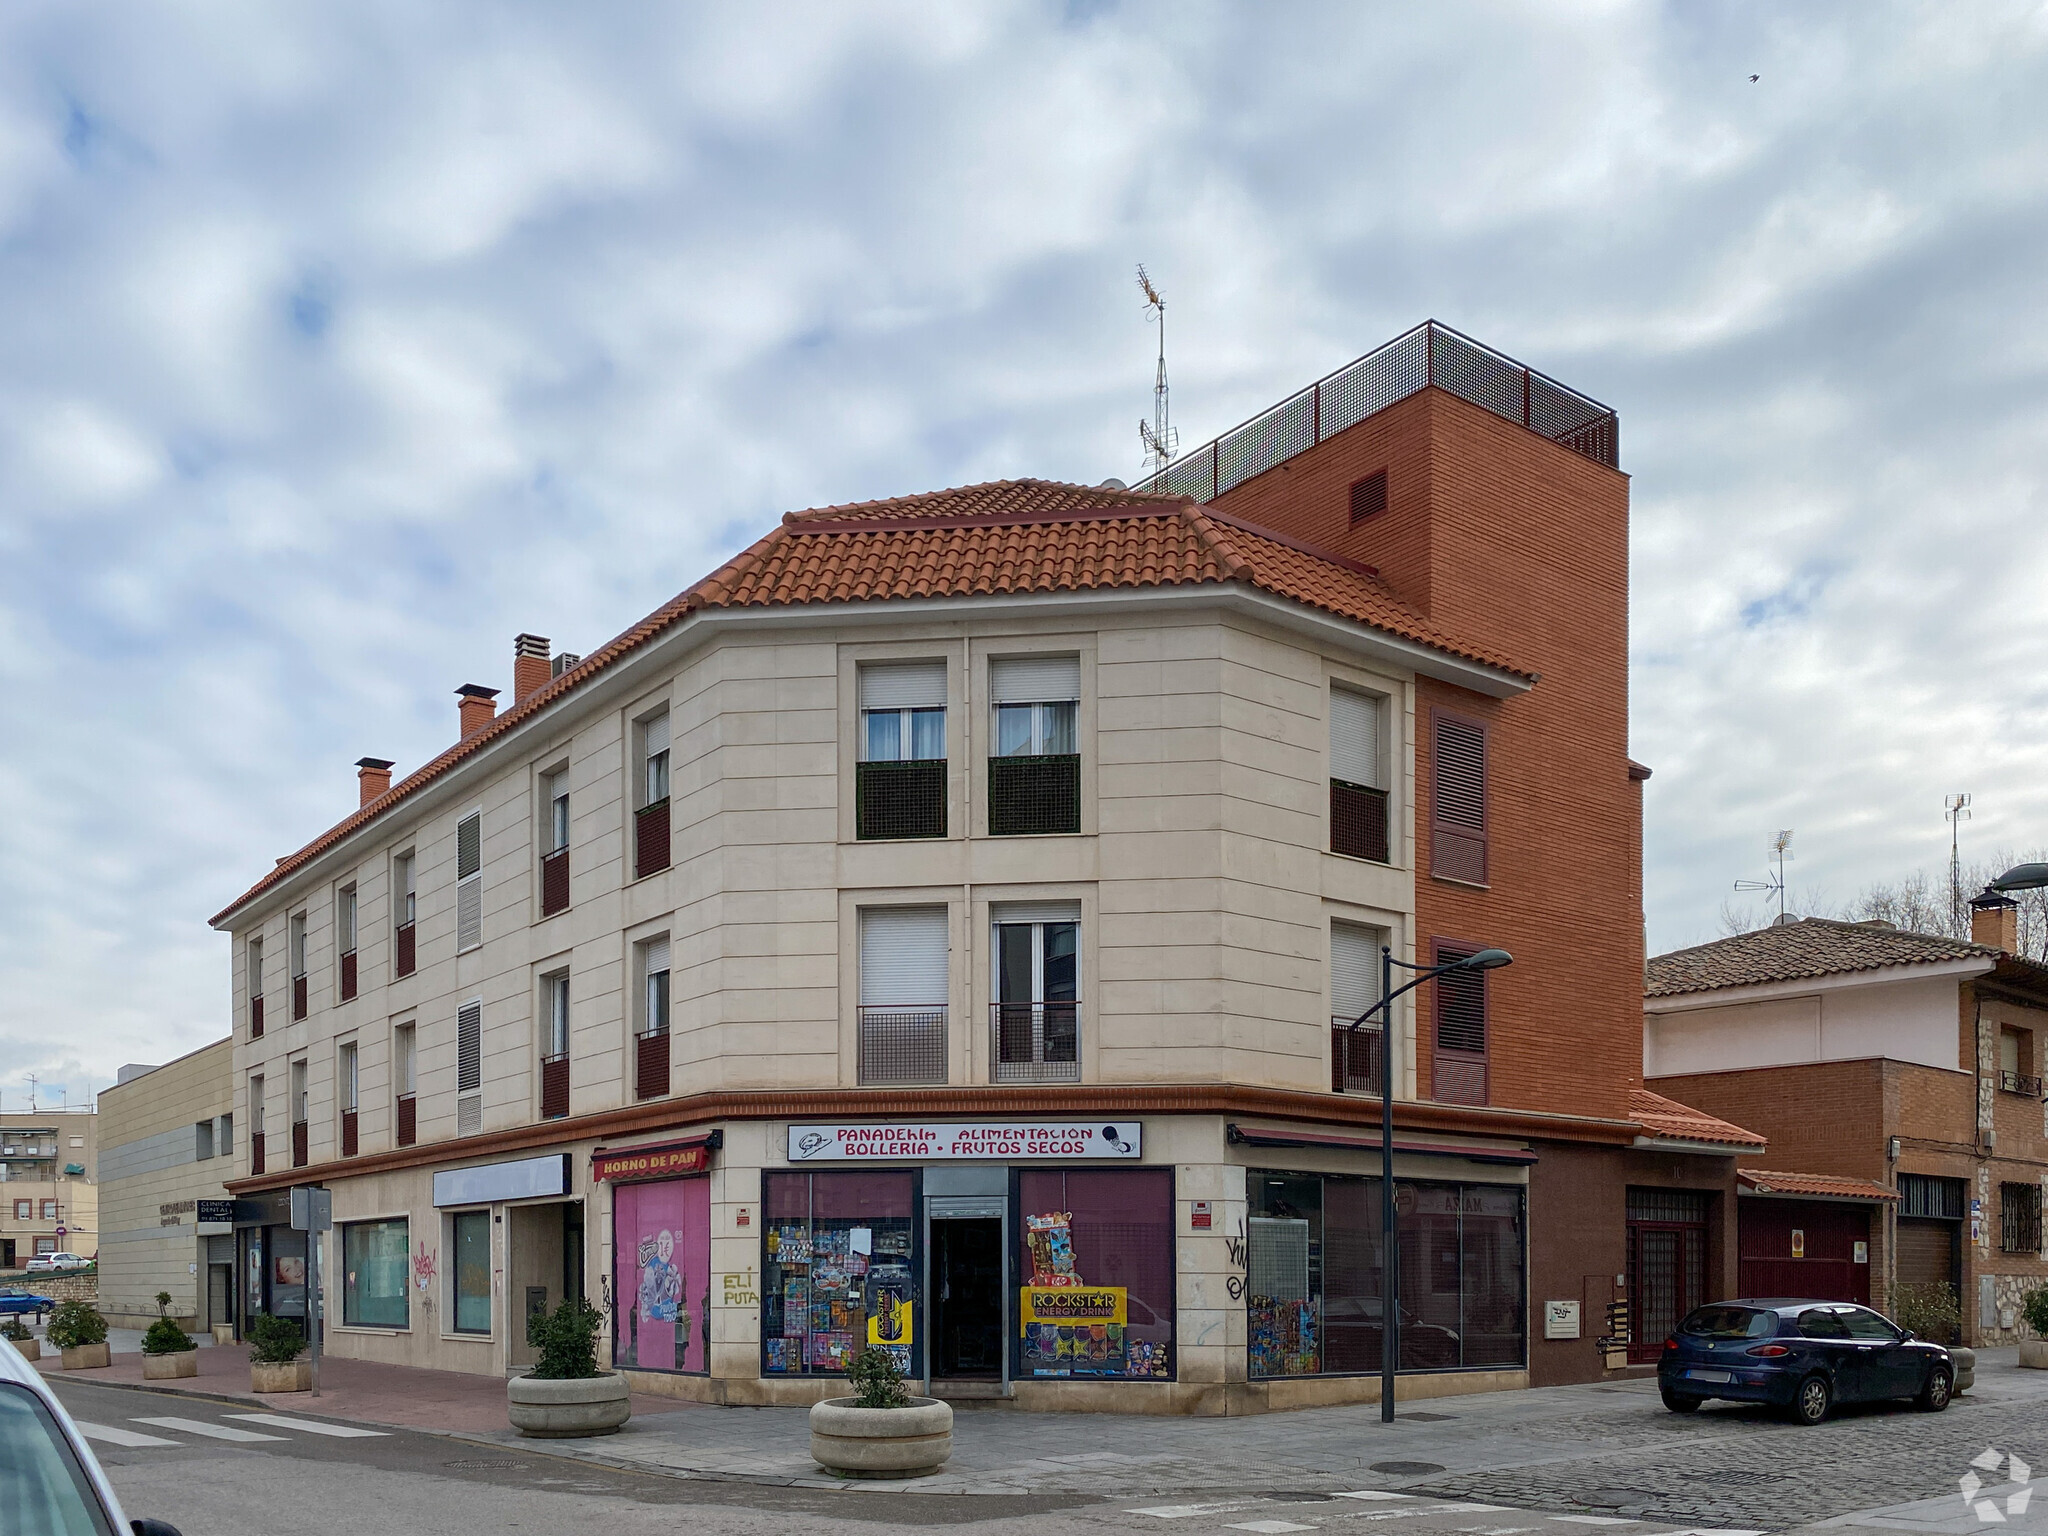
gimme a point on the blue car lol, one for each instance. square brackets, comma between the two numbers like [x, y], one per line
[1799, 1356]
[21, 1303]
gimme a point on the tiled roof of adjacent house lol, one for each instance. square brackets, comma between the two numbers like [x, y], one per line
[1659, 1116]
[1812, 946]
[1766, 1182]
[1008, 537]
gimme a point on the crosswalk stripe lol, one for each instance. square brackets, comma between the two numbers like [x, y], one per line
[113, 1436]
[1269, 1527]
[1594, 1520]
[212, 1431]
[339, 1431]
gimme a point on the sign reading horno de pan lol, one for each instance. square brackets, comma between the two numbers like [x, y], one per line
[952, 1142]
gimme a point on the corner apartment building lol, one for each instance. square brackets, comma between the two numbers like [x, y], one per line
[170, 1148]
[943, 927]
[49, 1202]
[1898, 1077]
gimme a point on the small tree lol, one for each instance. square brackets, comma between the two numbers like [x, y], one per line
[164, 1336]
[877, 1378]
[275, 1340]
[75, 1324]
[12, 1329]
[567, 1341]
[1931, 1311]
[2034, 1310]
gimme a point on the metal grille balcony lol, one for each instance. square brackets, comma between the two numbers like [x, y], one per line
[554, 882]
[298, 997]
[651, 843]
[554, 1087]
[1033, 795]
[256, 1017]
[1358, 821]
[298, 1143]
[1354, 1058]
[900, 799]
[255, 1153]
[1035, 1042]
[408, 1120]
[348, 1133]
[650, 1065]
[2020, 1083]
[407, 952]
[902, 1047]
[348, 976]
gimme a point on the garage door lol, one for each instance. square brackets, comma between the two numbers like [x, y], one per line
[1927, 1251]
[1804, 1249]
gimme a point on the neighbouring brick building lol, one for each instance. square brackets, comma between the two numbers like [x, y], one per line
[943, 927]
[1898, 1075]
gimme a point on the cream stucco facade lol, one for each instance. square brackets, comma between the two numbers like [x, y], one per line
[45, 1206]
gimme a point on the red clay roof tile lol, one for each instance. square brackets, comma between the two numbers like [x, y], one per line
[1766, 1182]
[1659, 1116]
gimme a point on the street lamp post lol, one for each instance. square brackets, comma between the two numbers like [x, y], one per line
[1390, 1266]
[2021, 877]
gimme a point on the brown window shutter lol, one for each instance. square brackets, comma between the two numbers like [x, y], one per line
[1369, 497]
[1457, 801]
[1459, 1062]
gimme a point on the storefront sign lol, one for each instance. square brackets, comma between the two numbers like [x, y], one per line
[525, 1179]
[917, 1139]
[214, 1217]
[1072, 1304]
[659, 1162]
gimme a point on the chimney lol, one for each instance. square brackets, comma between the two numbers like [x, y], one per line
[1995, 922]
[373, 777]
[530, 671]
[479, 708]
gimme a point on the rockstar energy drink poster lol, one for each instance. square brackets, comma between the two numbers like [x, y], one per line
[1073, 1304]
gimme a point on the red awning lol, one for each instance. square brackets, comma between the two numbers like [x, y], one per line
[1261, 1136]
[656, 1160]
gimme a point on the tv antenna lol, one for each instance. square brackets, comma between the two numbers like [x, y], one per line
[1157, 435]
[32, 1080]
[1955, 809]
[1780, 846]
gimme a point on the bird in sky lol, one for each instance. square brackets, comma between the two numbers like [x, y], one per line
[1754, 78]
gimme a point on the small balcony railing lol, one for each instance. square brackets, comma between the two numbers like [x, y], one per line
[1035, 1042]
[348, 1133]
[299, 1156]
[408, 1120]
[298, 997]
[650, 1065]
[255, 1153]
[554, 882]
[1030, 796]
[902, 1046]
[651, 843]
[1358, 821]
[348, 976]
[2020, 1083]
[1354, 1058]
[256, 1017]
[406, 956]
[554, 1086]
[900, 799]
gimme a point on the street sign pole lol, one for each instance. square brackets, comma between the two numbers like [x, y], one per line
[313, 1214]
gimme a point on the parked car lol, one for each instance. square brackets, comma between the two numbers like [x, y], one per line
[22, 1303]
[49, 1261]
[1800, 1356]
[51, 1484]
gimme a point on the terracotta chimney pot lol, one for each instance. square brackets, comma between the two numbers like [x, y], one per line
[531, 670]
[479, 707]
[373, 778]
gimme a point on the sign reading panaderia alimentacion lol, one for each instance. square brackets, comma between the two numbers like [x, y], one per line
[921, 1141]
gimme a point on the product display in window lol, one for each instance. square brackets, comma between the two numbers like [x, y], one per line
[1098, 1298]
[836, 1250]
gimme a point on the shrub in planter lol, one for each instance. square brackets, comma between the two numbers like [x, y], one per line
[167, 1350]
[566, 1395]
[21, 1339]
[883, 1431]
[77, 1329]
[1931, 1311]
[275, 1344]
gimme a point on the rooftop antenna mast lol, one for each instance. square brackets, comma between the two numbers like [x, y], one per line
[1956, 810]
[1157, 435]
[1776, 884]
[32, 1080]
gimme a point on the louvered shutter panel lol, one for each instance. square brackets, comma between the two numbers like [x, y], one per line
[1036, 912]
[1354, 970]
[1035, 679]
[469, 846]
[1458, 799]
[469, 1048]
[654, 735]
[903, 685]
[1461, 1032]
[1355, 738]
[657, 955]
[903, 957]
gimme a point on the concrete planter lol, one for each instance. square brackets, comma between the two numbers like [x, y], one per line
[170, 1367]
[2034, 1354]
[223, 1333]
[568, 1409]
[292, 1376]
[86, 1357]
[31, 1349]
[1965, 1362]
[881, 1442]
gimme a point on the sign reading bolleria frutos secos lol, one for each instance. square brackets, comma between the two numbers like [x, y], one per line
[916, 1139]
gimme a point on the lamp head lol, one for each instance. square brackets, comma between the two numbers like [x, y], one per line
[1488, 960]
[2022, 877]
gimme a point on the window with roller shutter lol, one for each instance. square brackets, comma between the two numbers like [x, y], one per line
[1355, 976]
[651, 1038]
[1459, 1062]
[903, 957]
[469, 882]
[653, 847]
[1457, 811]
[255, 989]
[1034, 766]
[405, 901]
[1358, 796]
[900, 778]
[295, 952]
[469, 1068]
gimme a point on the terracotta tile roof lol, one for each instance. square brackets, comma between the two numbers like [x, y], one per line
[1812, 946]
[1659, 1116]
[1004, 538]
[1765, 1182]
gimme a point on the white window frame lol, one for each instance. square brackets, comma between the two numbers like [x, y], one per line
[555, 1016]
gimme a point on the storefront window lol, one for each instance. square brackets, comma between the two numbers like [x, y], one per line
[373, 1278]
[471, 1278]
[661, 1251]
[287, 1248]
[1313, 1257]
[1096, 1257]
[838, 1260]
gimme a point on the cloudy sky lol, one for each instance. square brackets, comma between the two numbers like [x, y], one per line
[342, 343]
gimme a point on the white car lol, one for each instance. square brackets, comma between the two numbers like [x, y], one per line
[48, 1261]
[50, 1481]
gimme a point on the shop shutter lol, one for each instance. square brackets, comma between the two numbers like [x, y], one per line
[1459, 1067]
[1458, 799]
[469, 1048]
[1355, 738]
[1354, 969]
[903, 957]
[1035, 680]
[903, 685]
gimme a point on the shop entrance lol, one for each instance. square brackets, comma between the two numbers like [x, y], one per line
[545, 1254]
[967, 1298]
